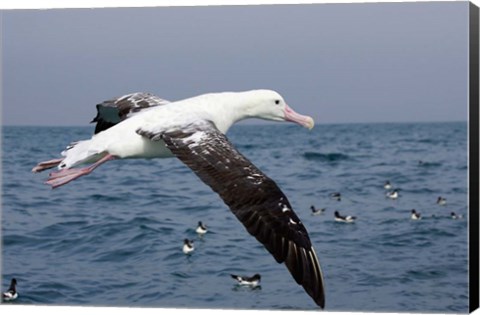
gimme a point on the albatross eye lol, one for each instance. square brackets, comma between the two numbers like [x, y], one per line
[277, 102]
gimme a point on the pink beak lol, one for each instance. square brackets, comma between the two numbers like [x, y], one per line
[305, 121]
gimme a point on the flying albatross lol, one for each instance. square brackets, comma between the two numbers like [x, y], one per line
[141, 125]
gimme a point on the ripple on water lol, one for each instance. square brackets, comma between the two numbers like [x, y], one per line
[326, 157]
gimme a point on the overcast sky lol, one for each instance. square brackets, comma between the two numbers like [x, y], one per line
[380, 62]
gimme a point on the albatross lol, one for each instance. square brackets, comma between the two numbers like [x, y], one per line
[141, 125]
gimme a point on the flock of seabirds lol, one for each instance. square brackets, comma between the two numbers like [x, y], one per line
[392, 194]
[142, 125]
[254, 281]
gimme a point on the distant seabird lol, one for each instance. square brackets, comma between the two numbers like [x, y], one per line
[387, 185]
[193, 130]
[415, 215]
[393, 194]
[455, 216]
[187, 246]
[11, 294]
[249, 281]
[441, 201]
[345, 219]
[317, 211]
[336, 195]
[201, 228]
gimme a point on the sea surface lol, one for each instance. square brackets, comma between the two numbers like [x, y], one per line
[114, 237]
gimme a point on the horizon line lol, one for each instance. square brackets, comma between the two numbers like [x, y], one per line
[266, 123]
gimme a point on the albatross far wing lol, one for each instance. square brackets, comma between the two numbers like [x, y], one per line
[254, 198]
[113, 111]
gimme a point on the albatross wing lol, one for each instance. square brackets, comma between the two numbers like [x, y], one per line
[254, 198]
[113, 111]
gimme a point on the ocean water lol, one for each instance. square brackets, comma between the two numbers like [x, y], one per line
[114, 237]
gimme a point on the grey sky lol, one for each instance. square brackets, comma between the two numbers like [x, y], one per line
[380, 62]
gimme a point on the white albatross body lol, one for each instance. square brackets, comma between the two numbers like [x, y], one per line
[193, 130]
[123, 140]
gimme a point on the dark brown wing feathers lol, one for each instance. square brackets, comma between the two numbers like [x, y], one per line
[113, 111]
[255, 200]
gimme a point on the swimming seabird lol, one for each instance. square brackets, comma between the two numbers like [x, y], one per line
[455, 216]
[441, 201]
[193, 130]
[249, 281]
[316, 211]
[415, 215]
[387, 185]
[187, 246]
[201, 228]
[11, 294]
[336, 195]
[393, 194]
[345, 219]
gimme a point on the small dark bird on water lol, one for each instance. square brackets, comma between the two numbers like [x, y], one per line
[387, 185]
[201, 228]
[345, 219]
[317, 211]
[393, 194]
[250, 281]
[188, 246]
[11, 294]
[441, 201]
[455, 216]
[336, 195]
[415, 215]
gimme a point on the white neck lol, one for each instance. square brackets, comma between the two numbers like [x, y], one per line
[233, 108]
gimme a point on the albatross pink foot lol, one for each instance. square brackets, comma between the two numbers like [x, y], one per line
[62, 177]
[46, 165]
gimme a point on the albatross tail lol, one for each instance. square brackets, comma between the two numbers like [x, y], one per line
[78, 153]
[45, 165]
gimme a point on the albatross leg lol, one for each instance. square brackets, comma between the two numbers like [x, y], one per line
[46, 165]
[62, 177]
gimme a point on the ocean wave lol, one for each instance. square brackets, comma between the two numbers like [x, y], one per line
[326, 157]
[115, 237]
[424, 274]
[428, 164]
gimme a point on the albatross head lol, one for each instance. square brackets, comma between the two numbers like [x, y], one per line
[270, 105]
